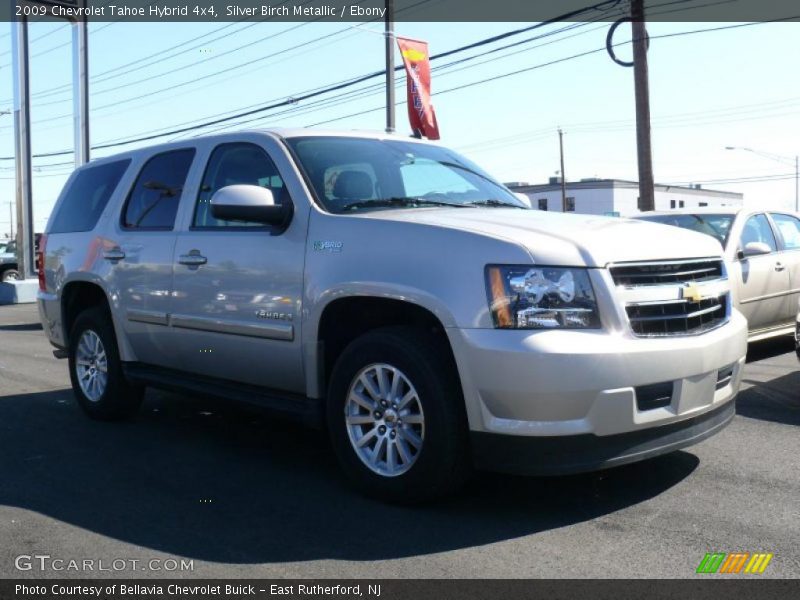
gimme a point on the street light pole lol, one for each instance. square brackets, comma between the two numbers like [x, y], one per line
[783, 160]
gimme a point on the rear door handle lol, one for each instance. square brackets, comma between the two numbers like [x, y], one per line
[779, 266]
[193, 259]
[114, 254]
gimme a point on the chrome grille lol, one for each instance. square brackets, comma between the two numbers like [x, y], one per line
[661, 273]
[673, 297]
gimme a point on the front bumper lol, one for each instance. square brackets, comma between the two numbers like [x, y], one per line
[581, 453]
[565, 384]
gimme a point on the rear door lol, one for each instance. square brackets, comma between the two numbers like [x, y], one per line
[762, 281]
[238, 286]
[788, 229]
[141, 254]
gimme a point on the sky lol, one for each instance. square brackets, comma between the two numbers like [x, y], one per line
[732, 87]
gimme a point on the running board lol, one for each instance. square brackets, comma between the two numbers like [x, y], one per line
[308, 411]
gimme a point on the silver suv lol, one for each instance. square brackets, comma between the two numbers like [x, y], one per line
[388, 289]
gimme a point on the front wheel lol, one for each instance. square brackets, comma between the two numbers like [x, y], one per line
[396, 418]
[95, 369]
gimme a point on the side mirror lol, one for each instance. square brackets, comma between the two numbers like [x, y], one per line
[754, 249]
[249, 203]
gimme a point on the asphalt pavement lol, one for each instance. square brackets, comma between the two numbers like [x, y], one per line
[241, 495]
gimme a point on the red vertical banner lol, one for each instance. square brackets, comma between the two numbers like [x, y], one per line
[418, 75]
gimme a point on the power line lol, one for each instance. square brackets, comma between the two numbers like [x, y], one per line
[101, 77]
[377, 88]
[332, 88]
[54, 48]
[557, 61]
[737, 180]
[160, 59]
[171, 88]
[351, 82]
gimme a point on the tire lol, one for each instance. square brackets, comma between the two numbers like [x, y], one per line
[9, 275]
[111, 398]
[427, 382]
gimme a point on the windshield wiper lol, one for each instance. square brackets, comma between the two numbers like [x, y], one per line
[399, 201]
[494, 203]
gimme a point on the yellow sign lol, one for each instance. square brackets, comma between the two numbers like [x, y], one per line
[414, 55]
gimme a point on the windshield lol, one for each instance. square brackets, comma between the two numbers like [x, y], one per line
[356, 174]
[717, 226]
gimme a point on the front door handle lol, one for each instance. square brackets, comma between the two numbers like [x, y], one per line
[193, 259]
[114, 254]
[779, 266]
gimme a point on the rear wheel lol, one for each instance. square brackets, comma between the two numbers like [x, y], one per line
[10, 275]
[95, 369]
[395, 416]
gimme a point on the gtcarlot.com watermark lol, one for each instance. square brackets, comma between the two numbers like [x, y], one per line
[45, 562]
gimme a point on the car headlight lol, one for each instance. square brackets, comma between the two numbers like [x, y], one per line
[541, 298]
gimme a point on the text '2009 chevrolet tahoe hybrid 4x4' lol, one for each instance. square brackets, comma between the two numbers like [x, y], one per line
[389, 289]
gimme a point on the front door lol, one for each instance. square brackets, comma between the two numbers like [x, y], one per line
[788, 228]
[762, 281]
[238, 286]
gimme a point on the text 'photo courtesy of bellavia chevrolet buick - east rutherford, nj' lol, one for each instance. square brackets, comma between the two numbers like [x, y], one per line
[366, 294]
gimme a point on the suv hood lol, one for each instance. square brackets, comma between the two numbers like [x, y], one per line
[567, 240]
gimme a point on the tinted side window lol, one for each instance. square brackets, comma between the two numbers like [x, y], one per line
[790, 230]
[87, 196]
[757, 229]
[153, 202]
[231, 164]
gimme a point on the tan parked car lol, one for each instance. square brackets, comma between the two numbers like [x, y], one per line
[762, 253]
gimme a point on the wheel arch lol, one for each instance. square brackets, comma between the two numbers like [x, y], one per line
[78, 295]
[345, 318]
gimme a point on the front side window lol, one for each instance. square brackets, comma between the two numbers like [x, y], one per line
[757, 229]
[153, 202]
[354, 174]
[87, 196]
[235, 164]
[789, 227]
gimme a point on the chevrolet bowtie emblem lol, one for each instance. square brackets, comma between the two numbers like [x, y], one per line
[692, 292]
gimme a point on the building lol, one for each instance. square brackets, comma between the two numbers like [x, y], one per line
[619, 198]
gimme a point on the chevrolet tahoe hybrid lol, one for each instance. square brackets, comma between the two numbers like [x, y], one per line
[390, 290]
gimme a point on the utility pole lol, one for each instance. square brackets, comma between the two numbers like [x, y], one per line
[80, 86]
[11, 220]
[563, 177]
[22, 149]
[641, 83]
[786, 160]
[389, 34]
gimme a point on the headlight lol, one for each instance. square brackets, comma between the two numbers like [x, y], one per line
[541, 298]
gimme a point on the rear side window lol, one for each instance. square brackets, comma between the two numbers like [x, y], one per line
[153, 202]
[790, 230]
[87, 196]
